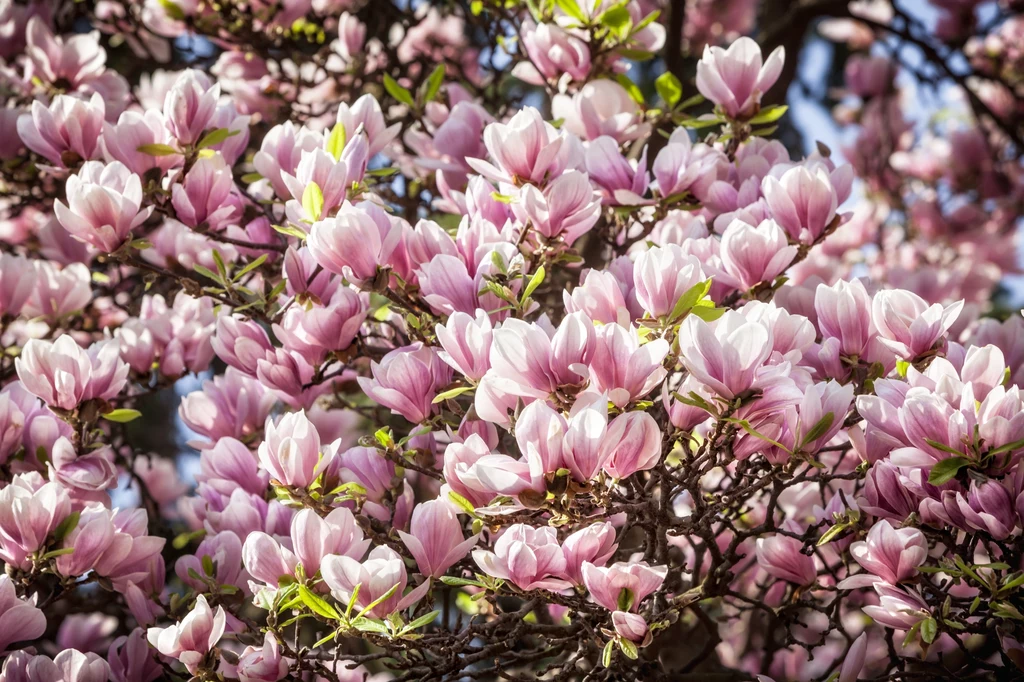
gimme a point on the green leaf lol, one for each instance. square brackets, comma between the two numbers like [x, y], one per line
[946, 470]
[942, 446]
[690, 298]
[819, 429]
[317, 604]
[832, 533]
[250, 178]
[606, 653]
[708, 314]
[352, 601]
[66, 526]
[326, 639]
[291, 231]
[215, 137]
[57, 552]
[222, 269]
[335, 143]
[630, 87]
[206, 272]
[628, 648]
[425, 619]
[371, 625]
[770, 115]
[462, 502]
[208, 567]
[535, 281]
[617, 19]
[454, 581]
[433, 84]
[376, 602]
[313, 201]
[250, 267]
[669, 88]
[929, 629]
[122, 415]
[1007, 448]
[901, 367]
[572, 9]
[452, 393]
[384, 437]
[172, 10]
[157, 149]
[398, 92]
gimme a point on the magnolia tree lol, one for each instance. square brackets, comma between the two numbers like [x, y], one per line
[519, 348]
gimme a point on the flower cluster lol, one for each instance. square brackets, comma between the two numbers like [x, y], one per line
[414, 340]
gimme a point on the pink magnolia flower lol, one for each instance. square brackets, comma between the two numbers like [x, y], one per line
[193, 638]
[632, 443]
[262, 664]
[406, 381]
[467, 343]
[735, 78]
[682, 166]
[12, 425]
[19, 620]
[601, 107]
[447, 286]
[291, 450]
[436, 538]
[907, 325]
[229, 465]
[725, 356]
[844, 313]
[334, 177]
[631, 626]
[898, 608]
[623, 585]
[131, 659]
[594, 544]
[620, 181]
[59, 291]
[67, 666]
[320, 330]
[552, 52]
[121, 141]
[66, 132]
[888, 554]
[530, 558]
[353, 243]
[382, 571]
[229, 405]
[314, 538]
[527, 149]
[366, 117]
[662, 275]
[190, 105]
[91, 472]
[17, 282]
[566, 208]
[241, 343]
[751, 255]
[782, 557]
[869, 76]
[600, 296]
[803, 201]
[63, 374]
[203, 197]
[460, 474]
[623, 368]
[104, 205]
[280, 152]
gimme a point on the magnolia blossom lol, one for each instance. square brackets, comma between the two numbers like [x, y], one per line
[436, 538]
[64, 375]
[382, 571]
[735, 78]
[193, 638]
[103, 205]
[531, 558]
